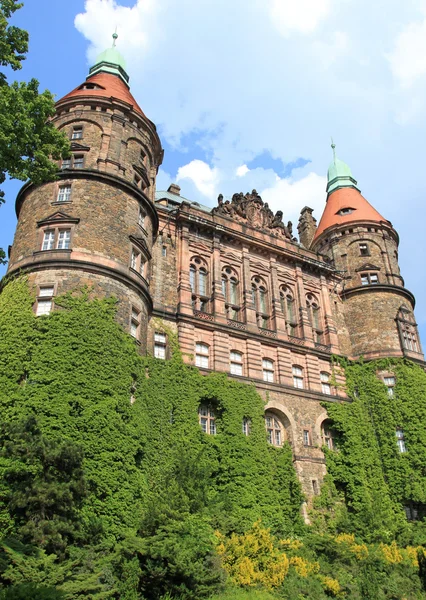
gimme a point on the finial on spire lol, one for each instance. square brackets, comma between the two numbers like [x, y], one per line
[333, 145]
[114, 37]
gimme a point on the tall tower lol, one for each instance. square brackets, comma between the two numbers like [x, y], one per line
[363, 246]
[96, 224]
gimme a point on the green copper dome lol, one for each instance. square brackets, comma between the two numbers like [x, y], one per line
[339, 174]
[111, 61]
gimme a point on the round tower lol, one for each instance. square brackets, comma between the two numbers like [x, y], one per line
[363, 246]
[95, 225]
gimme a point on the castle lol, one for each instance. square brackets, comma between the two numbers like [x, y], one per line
[242, 294]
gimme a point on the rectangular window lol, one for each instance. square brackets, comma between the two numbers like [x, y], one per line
[363, 250]
[64, 239]
[246, 426]
[236, 366]
[400, 440]
[64, 193]
[325, 385]
[134, 323]
[77, 132]
[134, 259]
[374, 278]
[46, 291]
[163, 251]
[160, 342]
[141, 219]
[315, 487]
[298, 377]
[364, 280]
[268, 370]
[306, 437]
[66, 163]
[48, 239]
[390, 384]
[202, 356]
[78, 161]
[44, 307]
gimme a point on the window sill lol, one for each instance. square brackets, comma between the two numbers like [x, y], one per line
[60, 202]
[66, 251]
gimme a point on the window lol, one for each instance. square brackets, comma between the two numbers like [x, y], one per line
[274, 429]
[328, 435]
[66, 163]
[236, 360]
[345, 211]
[141, 218]
[64, 193]
[363, 250]
[45, 300]
[202, 355]
[390, 384]
[78, 161]
[77, 132]
[298, 377]
[314, 315]
[160, 344]
[260, 300]
[198, 280]
[408, 330]
[163, 250]
[410, 340]
[48, 239]
[137, 262]
[207, 419]
[289, 310]
[246, 426]
[230, 291]
[325, 383]
[369, 278]
[268, 370]
[135, 322]
[307, 437]
[64, 239]
[400, 440]
[315, 487]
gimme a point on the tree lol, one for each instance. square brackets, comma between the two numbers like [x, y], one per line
[29, 142]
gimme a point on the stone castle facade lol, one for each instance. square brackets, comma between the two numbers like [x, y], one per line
[242, 294]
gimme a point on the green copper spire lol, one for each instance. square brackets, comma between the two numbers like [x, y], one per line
[339, 174]
[111, 61]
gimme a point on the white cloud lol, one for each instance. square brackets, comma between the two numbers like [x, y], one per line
[300, 16]
[242, 170]
[408, 57]
[202, 175]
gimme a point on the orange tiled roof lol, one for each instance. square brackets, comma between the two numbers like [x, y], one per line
[346, 197]
[110, 86]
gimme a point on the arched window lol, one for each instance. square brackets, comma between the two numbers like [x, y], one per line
[236, 363]
[314, 315]
[328, 435]
[297, 377]
[268, 369]
[207, 419]
[274, 429]
[288, 307]
[230, 291]
[325, 382]
[198, 280]
[202, 355]
[260, 301]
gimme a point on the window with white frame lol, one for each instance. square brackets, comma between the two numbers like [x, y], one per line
[325, 382]
[198, 280]
[64, 193]
[369, 278]
[288, 308]
[135, 322]
[48, 239]
[400, 440]
[390, 384]
[260, 301]
[64, 239]
[409, 337]
[77, 132]
[45, 300]
[236, 363]
[408, 330]
[268, 370]
[66, 163]
[202, 355]
[207, 419]
[246, 426]
[141, 218]
[76, 161]
[138, 262]
[314, 315]
[59, 239]
[297, 377]
[274, 429]
[160, 345]
[307, 437]
[230, 291]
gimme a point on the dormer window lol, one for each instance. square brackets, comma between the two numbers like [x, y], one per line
[345, 211]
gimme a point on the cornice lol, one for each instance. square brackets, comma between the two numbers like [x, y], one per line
[379, 287]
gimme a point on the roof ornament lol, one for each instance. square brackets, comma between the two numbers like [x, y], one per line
[333, 145]
[114, 38]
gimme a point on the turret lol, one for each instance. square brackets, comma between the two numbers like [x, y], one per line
[363, 246]
[96, 224]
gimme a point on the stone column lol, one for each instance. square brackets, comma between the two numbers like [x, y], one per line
[330, 331]
[277, 313]
[184, 288]
[217, 294]
[248, 304]
[304, 324]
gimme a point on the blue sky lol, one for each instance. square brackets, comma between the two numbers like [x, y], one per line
[247, 95]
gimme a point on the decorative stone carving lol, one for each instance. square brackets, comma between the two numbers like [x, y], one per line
[251, 209]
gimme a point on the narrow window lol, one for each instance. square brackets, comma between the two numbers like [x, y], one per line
[45, 300]
[77, 132]
[325, 383]
[390, 384]
[233, 291]
[64, 193]
[224, 288]
[364, 279]
[66, 163]
[400, 440]
[274, 429]
[160, 343]
[298, 377]
[328, 435]
[48, 239]
[236, 360]
[207, 419]
[192, 278]
[141, 218]
[78, 161]
[137, 180]
[134, 259]
[268, 370]
[142, 267]
[374, 278]
[202, 355]
[202, 282]
[306, 437]
[164, 251]
[315, 487]
[363, 250]
[246, 426]
[135, 322]
[64, 239]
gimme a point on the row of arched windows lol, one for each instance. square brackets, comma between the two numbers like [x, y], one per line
[200, 288]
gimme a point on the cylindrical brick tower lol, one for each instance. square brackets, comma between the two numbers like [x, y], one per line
[364, 248]
[95, 225]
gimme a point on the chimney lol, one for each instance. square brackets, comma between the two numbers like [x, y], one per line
[306, 227]
[174, 189]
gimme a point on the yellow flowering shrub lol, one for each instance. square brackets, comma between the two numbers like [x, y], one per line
[291, 544]
[303, 567]
[332, 586]
[345, 538]
[391, 553]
